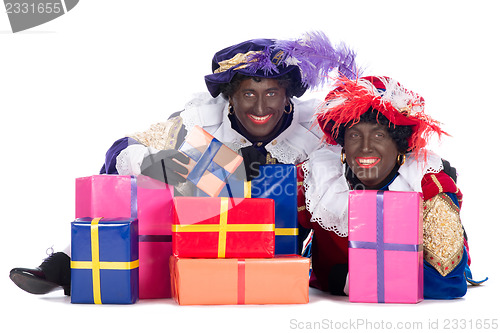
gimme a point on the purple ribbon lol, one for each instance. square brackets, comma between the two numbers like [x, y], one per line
[155, 238]
[133, 197]
[380, 247]
[386, 246]
[380, 250]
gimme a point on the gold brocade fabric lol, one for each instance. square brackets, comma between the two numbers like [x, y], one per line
[443, 234]
[240, 58]
[161, 135]
[270, 159]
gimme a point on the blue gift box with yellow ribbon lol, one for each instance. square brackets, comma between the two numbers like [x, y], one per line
[277, 182]
[104, 261]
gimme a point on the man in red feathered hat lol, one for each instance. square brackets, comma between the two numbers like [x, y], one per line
[376, 134]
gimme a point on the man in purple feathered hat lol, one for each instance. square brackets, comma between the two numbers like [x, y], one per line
[251, 108]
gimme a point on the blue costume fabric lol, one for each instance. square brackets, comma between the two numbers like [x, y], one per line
[109, 166]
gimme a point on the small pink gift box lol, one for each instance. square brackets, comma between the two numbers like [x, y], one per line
[148, 200]
[211, 162]
[385, 247]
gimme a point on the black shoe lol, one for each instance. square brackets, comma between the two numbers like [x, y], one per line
[53, 273]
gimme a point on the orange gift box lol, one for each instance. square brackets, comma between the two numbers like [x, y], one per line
[210, 161]
[223, 228]
[280, 280]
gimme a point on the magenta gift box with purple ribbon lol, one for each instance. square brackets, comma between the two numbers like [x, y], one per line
[148, 200]
[385, 247]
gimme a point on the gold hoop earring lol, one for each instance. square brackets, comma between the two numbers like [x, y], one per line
[230, 109]
[342, 157]
[291, 108]
[398, 159]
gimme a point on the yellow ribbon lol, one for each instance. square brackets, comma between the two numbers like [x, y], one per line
[96, 273]
[247, 193]
[222, 228]
[217, 227]
[247, 189]
[286, 231]
[95, 265]
[224, 207]
[106, 265]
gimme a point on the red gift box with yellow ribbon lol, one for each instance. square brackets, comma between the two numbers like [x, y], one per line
[223, 228]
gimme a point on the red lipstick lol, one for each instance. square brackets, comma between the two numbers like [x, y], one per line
[259, 120]
[367, 162]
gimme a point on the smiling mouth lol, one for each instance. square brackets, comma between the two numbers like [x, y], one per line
[260, 120]
[367, 162]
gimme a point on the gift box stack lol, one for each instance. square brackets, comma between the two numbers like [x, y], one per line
[124, 224]
[385, 247]
[224, 247]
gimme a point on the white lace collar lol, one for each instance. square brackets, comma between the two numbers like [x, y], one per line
[292, 146]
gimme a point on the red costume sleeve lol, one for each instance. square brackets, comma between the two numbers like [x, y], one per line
[435, 183]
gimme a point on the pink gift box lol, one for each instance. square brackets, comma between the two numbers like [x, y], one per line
[385, 247]
[148, 200]
[211, 162]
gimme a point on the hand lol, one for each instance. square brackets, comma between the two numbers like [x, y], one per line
[163, 167]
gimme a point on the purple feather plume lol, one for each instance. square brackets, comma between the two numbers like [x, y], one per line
[262, 61]
[316, 57]
[313, 54]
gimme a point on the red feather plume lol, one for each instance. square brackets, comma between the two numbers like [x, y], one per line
[349, 99]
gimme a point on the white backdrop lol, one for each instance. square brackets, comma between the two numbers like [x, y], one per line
[72, 86]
